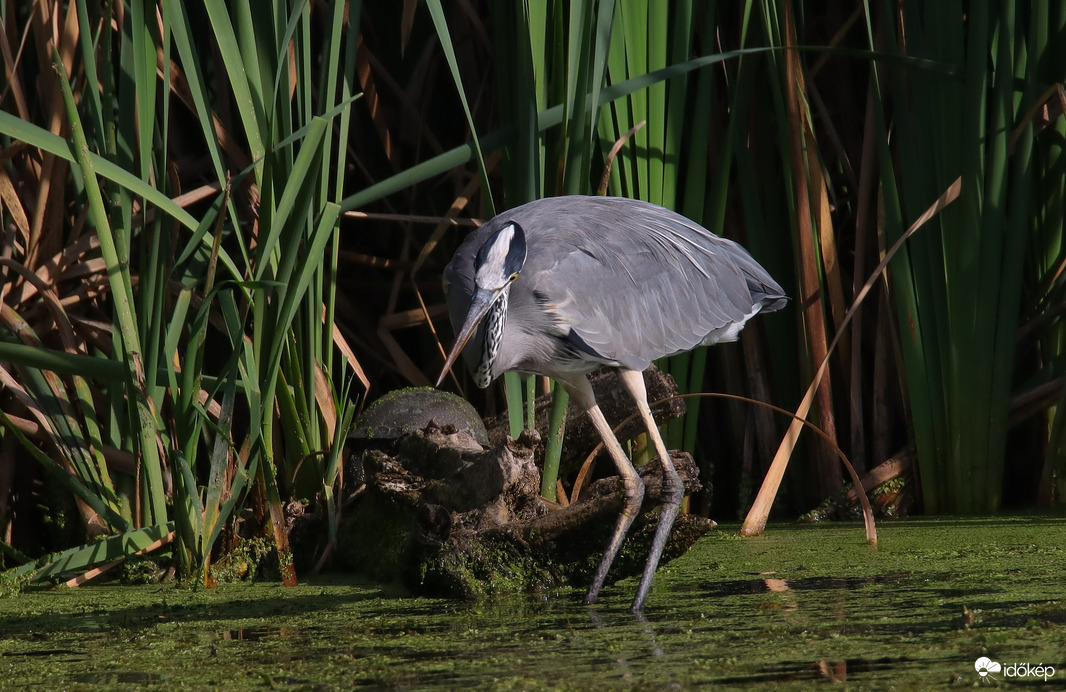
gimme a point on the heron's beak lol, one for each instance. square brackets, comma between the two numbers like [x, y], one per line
[479, 307]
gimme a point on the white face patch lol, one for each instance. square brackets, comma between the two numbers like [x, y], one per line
[491, 274]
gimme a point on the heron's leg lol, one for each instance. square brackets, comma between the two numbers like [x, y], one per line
[673, 488]
[634, 487]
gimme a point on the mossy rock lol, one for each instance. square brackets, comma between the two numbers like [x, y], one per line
[404, 411]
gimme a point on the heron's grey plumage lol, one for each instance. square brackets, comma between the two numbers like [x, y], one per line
[616, 281]
[572, 284]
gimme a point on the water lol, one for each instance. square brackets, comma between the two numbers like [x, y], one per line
[800, 605]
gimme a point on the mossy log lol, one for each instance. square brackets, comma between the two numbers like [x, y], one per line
[448, 517]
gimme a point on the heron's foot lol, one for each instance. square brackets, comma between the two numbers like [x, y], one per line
[599, 577]
[672, 493]
[634, 496]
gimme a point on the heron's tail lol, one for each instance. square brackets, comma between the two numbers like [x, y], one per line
[766, 293]
[770, 297]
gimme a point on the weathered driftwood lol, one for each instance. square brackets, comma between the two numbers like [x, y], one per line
[603, 499]
[444, 515]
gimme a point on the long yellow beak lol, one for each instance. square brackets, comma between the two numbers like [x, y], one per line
[479, 307]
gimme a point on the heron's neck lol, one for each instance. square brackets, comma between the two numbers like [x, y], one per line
[493, 337]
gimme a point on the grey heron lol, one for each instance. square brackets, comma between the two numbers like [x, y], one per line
[566, 285]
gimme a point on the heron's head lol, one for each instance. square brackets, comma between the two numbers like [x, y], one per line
[497, 264]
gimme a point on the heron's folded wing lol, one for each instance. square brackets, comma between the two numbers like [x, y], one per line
[627, 304]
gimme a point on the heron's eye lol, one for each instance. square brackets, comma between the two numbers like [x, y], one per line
[513, 277]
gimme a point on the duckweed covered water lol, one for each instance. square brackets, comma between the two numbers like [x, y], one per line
[798, 606]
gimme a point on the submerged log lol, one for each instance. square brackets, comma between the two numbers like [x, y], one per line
[890, 486]
[446, 516]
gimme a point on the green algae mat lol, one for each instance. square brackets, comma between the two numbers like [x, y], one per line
[950, 602]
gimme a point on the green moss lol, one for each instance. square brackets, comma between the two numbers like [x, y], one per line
[484, 569]
[250, 558]
[146, 570]
[12, 583]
